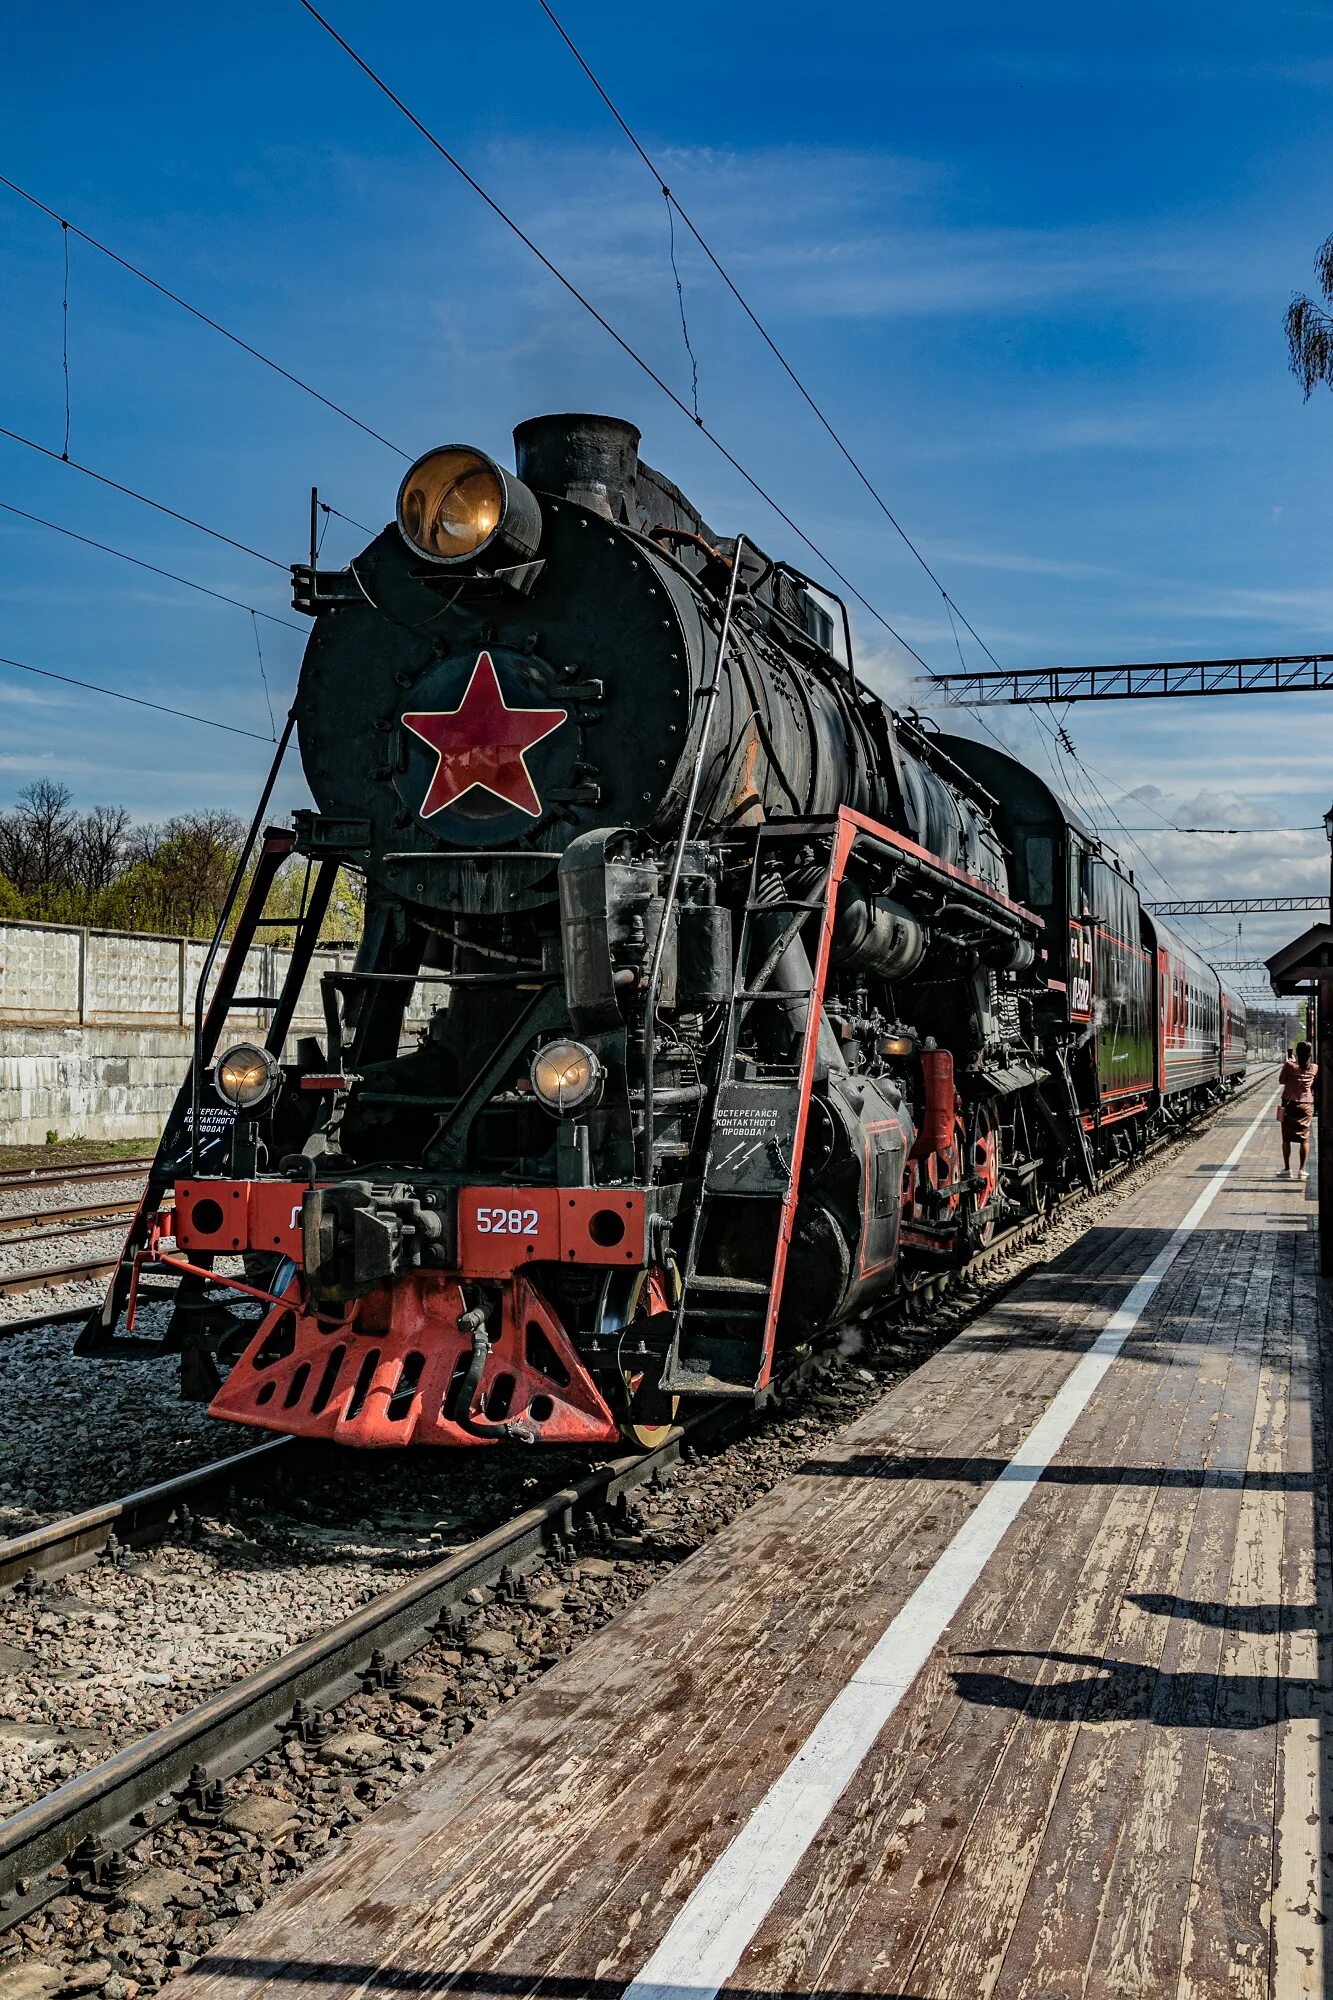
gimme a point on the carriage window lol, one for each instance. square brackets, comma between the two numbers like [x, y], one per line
[1039, 857]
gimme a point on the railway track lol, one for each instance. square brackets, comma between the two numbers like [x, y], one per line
[72, 1836]
[132, 1522]
[51, 1276]
[61, 1221]
[103, 1170]
[32, 1227]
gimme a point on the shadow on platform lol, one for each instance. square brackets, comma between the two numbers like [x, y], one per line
[1125, 1691]
[985, 1471]
[516, 1985]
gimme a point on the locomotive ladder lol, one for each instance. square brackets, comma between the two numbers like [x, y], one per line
[724, 1323]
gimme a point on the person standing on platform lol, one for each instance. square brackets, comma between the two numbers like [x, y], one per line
[1297, 1080]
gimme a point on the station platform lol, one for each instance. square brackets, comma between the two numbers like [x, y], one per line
[1017, 1688]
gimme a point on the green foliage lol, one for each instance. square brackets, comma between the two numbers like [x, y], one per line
[343, 918]
[58, 866]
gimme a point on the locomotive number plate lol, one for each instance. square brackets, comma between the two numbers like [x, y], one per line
[501, 1229]
[496, 1233]
[507, 1221]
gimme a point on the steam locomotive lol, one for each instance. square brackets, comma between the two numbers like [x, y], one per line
[744, 992]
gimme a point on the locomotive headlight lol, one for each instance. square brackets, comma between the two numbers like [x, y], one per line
[456, 502]
[246, 1075]
[566, 1077]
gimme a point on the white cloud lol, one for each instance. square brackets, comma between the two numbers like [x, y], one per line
[1011, 559]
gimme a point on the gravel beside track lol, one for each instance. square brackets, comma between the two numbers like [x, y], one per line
[53, 1459]
[105, 1654]
[83, 1651]
[31, 1198]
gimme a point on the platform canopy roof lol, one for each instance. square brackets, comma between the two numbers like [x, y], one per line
[1302, 963]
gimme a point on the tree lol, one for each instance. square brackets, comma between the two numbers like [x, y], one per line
[37, 839]
[99, 847]
[1309, 328]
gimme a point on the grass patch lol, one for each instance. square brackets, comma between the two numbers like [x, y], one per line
[73, 1153]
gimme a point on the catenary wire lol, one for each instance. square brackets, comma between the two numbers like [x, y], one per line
[632, 354]
[324, 508]
[139, 563]
[1147, 859]
[205, 318]
[607, 327]
[1045, 735]
[160, 506]
[64, 334]
[755, 320]
[1169, 824]
[1223, 829]
[263, 675]
[139, 701]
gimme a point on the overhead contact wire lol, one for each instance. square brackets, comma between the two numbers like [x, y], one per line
[607, 327]
[205, 319]
[170, 574]
[755, 320]
[324, 508]
[64, 332]
[673, 204]
[138, 701]
[132, 493]
[268, 699]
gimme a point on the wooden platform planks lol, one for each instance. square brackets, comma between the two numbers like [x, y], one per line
[953, 1904]
[1110, 1777]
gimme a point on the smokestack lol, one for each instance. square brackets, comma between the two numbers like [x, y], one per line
[593, 460]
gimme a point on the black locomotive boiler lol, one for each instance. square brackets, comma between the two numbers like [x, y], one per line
[741, 989]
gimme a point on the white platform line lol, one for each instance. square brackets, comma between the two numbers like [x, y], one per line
[704, 1945]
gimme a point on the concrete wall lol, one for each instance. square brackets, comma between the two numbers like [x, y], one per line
[95, 1026]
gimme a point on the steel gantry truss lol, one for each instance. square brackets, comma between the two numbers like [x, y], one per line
[1235, 906]
[1285, 673]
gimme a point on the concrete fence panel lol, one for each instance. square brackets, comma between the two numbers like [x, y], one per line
[96, 1026]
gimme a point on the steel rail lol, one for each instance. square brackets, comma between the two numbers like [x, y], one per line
[69, 1836]
[74, 1216]
[135, 1519]
[40, 1322]
[54, 1275]
[86, 1170]
[58, 1231]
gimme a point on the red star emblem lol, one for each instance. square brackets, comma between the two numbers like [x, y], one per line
[483, 742]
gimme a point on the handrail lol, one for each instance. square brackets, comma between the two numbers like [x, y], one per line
[708, 695]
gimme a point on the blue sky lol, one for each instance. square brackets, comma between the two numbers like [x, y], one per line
[1033, 262]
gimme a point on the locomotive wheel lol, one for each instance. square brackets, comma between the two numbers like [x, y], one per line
[639, 1296]
[941, 1170]
[985, 1159]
